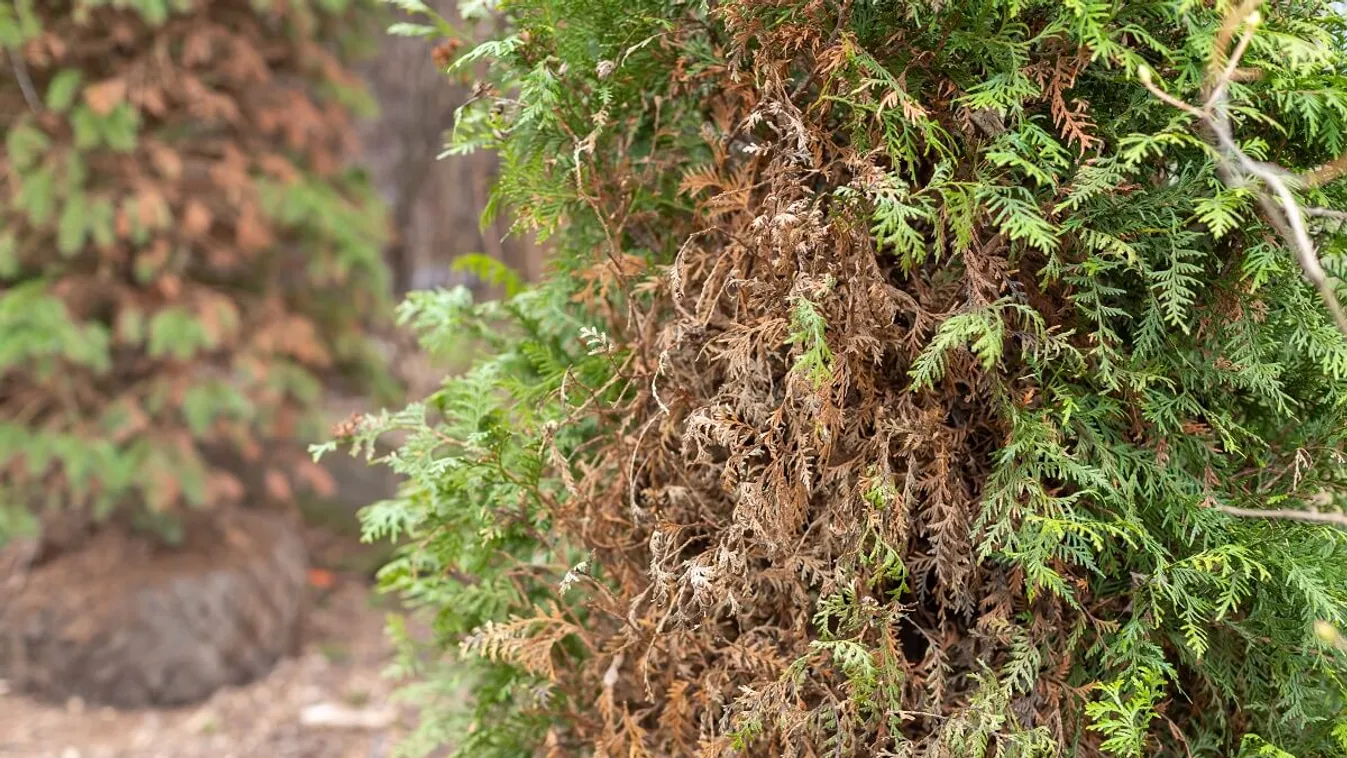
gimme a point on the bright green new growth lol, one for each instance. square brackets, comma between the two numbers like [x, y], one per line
[989, 461]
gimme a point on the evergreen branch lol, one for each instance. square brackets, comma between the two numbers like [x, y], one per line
[1289, 219]
[1064, 411]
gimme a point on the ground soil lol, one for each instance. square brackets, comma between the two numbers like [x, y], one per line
[339, 666]
[126, 620]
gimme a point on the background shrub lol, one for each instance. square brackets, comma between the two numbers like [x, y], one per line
[183, 249]
[897, 368]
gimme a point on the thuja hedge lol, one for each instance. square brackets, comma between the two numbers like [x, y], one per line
[898, 366]
[184, 250]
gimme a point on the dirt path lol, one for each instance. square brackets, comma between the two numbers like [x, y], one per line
[336, 677]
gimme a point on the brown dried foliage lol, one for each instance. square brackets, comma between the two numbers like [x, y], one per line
[737, 493]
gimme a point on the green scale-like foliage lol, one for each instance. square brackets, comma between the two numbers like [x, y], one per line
[897, 366]
[183, 253]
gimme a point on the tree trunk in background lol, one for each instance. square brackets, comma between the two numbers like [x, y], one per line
[435, 207]
[435, 204]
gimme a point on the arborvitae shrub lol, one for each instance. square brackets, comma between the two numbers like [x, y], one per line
[184, 250]
[897, 363]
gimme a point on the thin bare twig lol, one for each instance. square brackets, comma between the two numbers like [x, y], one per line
[1279, 203]
[20, 69]
[1228, 74]
[1229, 25]
[1326, 213]
[1336, 519]
[1325, 173]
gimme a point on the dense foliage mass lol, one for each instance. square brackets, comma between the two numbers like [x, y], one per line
[898, 361]
[183, 250]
